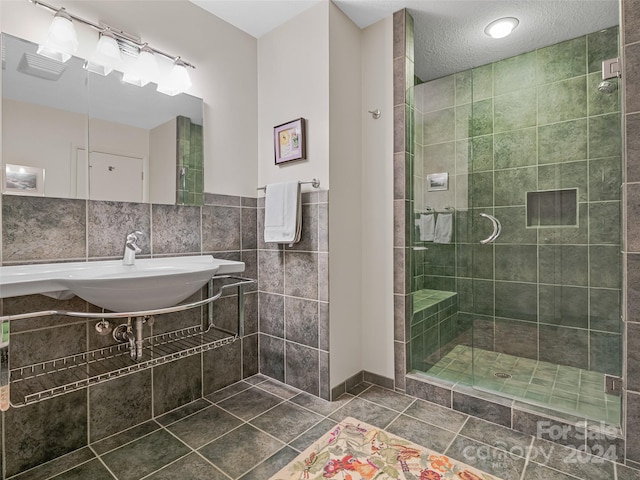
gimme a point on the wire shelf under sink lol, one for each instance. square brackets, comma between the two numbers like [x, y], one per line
[33, 383]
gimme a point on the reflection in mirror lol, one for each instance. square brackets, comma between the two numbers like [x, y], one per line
[143, 146]
[44, 112]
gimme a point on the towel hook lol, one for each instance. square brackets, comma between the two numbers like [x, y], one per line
[375, 113]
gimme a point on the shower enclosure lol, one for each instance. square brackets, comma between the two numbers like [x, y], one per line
[516, 249]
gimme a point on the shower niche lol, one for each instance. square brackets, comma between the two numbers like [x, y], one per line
[552, 208]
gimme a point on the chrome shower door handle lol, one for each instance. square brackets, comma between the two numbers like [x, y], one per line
[497, 229]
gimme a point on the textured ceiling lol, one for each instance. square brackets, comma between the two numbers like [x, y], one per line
[256, 17]
[449, 34]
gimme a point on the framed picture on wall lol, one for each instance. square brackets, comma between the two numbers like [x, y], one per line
[23, 180]
[437, 181]
[289, 140]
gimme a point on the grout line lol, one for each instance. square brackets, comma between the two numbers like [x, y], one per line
[456, 434]
[99, 458]
[186, 416]
[33, 469]
[249, 386]
[130, 441]
[526, 460]
[321, 418]
[197, 452]
[191, 450]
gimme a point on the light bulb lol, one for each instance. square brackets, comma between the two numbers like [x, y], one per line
[502, 27]
[107, 55]
[144, 70]
[178, 80]
[61, 42]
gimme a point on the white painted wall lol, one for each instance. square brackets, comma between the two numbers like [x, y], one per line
[377, 199]
[322, 67]
[293, 82]
[53, 139]
[307, 68]
[37, 136]
[345, 200]
[163, 145]
[127, 142]
[225, 76]
[118, 139]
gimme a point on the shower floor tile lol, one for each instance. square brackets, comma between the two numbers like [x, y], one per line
[559, 387]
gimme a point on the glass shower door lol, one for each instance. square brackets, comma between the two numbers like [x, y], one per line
[522, 157]
[545, 162]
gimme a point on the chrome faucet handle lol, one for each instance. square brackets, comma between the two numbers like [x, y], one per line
[131, 248]
[133, 236]
[132, 241]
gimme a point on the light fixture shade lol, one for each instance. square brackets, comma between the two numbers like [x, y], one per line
[62, 41]
[145, 68]
[502, 27]
[178, 80]
[107, 55]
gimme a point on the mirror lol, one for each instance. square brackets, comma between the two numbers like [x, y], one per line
[69, 133]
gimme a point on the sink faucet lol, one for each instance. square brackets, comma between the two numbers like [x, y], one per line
[131, 248]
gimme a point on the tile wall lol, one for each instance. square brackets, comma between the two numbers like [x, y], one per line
[534, 122]
[626, 446]
[403, 219]
[294, 301]
[48, 229]
[631, 249]
[433, 327]
[190, 163]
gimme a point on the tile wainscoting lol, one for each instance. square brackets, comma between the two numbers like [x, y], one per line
[49, 230]
[294, 301]
[286, 323]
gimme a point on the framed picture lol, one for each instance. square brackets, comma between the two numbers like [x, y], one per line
[437, 181]
[23, 180]
[289, 141]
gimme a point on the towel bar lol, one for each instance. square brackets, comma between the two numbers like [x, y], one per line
[428, 209]
[315, 183]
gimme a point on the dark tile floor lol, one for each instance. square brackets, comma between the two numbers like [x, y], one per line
[253, 428]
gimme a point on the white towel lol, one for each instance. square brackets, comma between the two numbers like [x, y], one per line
[283, 213]
[444, 228]
[426, 225]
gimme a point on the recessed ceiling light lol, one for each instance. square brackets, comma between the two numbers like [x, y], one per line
[502, 27]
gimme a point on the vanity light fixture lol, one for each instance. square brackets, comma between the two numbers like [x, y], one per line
[178, 80]
[62, 41]
[107, 57]
[502, 27]
[144, 69]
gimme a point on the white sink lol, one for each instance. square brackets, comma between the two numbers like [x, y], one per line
[150, 284]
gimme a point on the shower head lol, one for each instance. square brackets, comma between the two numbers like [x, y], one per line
[607, 86]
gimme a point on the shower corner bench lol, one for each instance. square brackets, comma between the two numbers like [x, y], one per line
[33, 383]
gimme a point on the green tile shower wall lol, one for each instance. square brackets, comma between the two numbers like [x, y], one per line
[403, 162]
[190, 160]
[434, 326]
[532, 122]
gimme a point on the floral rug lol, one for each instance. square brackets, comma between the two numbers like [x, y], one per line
[353, 450]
